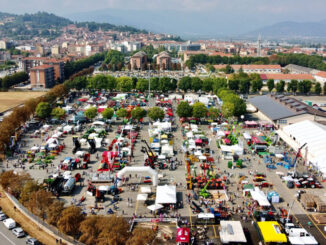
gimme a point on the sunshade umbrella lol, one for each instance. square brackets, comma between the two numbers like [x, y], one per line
[155, 207]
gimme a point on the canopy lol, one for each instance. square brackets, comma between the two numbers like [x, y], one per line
[260, 197]
[182, 235]
[232, 232]
[166, 194]
[155, 206]
[145, 189]
[271, 232]
[161, 157]
[142, 197]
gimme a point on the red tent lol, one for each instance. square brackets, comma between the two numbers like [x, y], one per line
[183, 235]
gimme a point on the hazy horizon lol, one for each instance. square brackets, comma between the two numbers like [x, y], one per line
[193, 17]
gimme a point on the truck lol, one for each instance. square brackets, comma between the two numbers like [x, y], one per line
[69, 185]
[301, 236]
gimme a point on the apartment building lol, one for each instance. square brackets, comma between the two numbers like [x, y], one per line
[42, 76]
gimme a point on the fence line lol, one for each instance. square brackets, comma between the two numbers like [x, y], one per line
[45, 226]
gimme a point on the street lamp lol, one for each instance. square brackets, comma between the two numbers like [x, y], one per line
[149, 81]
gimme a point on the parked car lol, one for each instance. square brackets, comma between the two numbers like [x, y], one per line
[32, 241]
[3, 216]
[18, 232]
[9, 223]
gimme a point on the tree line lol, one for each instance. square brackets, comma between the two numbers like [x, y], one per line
[14, 79]
[70, 219]
[72, 67]
[311, 61]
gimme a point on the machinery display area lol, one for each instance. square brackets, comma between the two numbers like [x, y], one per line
[188, 177]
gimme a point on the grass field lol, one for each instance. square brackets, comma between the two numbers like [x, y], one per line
[11, 99]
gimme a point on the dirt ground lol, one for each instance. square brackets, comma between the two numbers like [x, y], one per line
[31, 228]
[11, 99]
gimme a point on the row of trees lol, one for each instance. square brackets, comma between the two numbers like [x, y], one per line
[11, 80]
[11, 124]
[70, 220]
[294, 86]
[197, 110]
[311, 61]
[73, 67]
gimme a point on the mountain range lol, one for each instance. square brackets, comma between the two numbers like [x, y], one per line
[195, 25]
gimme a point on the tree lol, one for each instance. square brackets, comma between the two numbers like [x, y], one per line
[218, 84]
[165, 84]
[199, 110]
[29, 187]
[234, 85]
[213, 113]
[280, 86]
[142, 85]
[31, 105]
[70, 220]
[14, 183]
[155, 83]
[184, 109]
[107, 113]
[122, 113]
[79, 83]
[244, 86]
[256, 85]
[270, 84]
[228, 69]
[207, 85]
[111, 83]
[304, 86]
[196, 84]
[324, 89]
[54, 212]
[39, 201]
[210, 68]
[156, 113]
[43, 110]
[185, 84]
[138, 113]
[58, 113]
[317, 88]
[228, 109]
[125, 84]
[91, 112]
[293, 86]
[91, 228]
[141, 236]
[99, 81]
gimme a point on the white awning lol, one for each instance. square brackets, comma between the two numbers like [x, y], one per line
[232, 232]
[142, 197]
[166, 194]
[145, 189]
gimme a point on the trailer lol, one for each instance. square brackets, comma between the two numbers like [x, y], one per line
[69, 185]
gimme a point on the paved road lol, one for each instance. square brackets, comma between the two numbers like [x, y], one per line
[7, 238]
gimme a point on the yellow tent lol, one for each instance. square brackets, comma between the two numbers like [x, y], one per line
[271, 232]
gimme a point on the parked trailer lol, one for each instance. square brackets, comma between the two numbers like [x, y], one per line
[69, 185]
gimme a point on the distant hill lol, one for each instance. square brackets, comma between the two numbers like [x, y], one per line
[46, 25]
[290, 29]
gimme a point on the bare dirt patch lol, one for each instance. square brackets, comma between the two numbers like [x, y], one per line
[10, 100]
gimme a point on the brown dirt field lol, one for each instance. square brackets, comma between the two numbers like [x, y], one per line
[31, 228]
[9, 100]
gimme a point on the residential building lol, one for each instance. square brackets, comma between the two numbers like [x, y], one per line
[42, 76]
[39, 50]
[58, 66]
[253, 68]
[163, 59]
[295, 69]
[286, 77]
[138, 60]
[321, 77]
[5, 44]
[55, 50]
[5, 55]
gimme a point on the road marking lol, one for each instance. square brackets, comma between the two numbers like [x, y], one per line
[7, 238]
[190, 215]
[215, 234]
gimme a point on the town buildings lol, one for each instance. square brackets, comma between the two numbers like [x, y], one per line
[42, 76]
[138, 61]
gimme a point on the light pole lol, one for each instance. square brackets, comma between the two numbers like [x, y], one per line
[149, 81]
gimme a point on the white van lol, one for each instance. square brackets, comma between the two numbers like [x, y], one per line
[9, 223]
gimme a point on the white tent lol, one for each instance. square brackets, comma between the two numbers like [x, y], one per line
[235, 149]
[260, 197]
[155, 206]
[313, 134]
[145, 189]
[142, 197]
[232, 232]
[166, 194]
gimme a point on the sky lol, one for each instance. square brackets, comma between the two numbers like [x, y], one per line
[229, 16]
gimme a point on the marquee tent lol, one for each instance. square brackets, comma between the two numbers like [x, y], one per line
[166, 194]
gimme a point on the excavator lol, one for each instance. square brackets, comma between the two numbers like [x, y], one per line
[150, 161]
[153, 155]
[203, 192]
